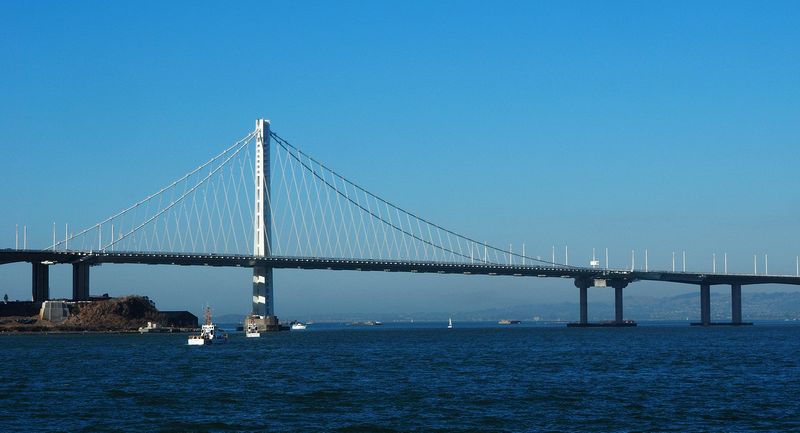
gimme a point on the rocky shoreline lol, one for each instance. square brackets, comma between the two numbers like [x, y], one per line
[108, 315]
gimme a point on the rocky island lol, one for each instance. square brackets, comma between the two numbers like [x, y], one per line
[123, 314]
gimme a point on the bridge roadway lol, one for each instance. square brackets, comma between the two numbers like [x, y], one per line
[49, 257]
[583, 277]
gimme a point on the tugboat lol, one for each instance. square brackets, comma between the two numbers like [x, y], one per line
[209, 333]
[252, 327]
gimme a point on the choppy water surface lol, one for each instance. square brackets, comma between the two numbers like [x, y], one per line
[403, 378]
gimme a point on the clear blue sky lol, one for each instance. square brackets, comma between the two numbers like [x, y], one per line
[629, 125]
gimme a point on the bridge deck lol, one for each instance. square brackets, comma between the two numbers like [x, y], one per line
[181, 259]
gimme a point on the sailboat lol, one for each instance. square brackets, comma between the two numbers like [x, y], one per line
[450, 323]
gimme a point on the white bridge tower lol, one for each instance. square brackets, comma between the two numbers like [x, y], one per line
[263, 303]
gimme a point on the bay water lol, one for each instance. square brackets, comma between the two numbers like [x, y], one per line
[477, 377]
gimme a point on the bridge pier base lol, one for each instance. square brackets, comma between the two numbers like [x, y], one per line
[40, 284]
[80, 281]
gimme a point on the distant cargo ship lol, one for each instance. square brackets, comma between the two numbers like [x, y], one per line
[509, 322]
[367, 323]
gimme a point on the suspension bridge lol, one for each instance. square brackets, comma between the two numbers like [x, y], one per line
[264, 204]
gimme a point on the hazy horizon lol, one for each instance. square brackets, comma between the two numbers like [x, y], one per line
[585, 125]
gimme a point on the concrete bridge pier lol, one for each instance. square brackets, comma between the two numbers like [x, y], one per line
[263, 305]
[40, 284]
[583, 285]
[263, 302]
[705, 307]
[618, 286]
[705, 304]
[736, 306]
[80, 281]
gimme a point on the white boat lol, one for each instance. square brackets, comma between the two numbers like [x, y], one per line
[252, 328]
[209, 333]
[450, 323]
[298, 326]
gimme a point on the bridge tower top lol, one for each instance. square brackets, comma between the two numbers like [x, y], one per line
[262, 232]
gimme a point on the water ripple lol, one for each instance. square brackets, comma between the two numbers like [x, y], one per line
[525, 379]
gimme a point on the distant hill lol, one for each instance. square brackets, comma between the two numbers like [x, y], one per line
[755, 306]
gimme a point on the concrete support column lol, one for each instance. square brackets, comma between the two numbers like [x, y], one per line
[40, 284]
[705, 304]
[618, 285]
[584, 305]
[736, 304]
[583, 286]
[263, 303]
[80, 281]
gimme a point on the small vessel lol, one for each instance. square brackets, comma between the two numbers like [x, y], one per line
[509, 322]
[366, 323]
[252, 328]
[298, 326]
[209, 333]
[450, 323]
